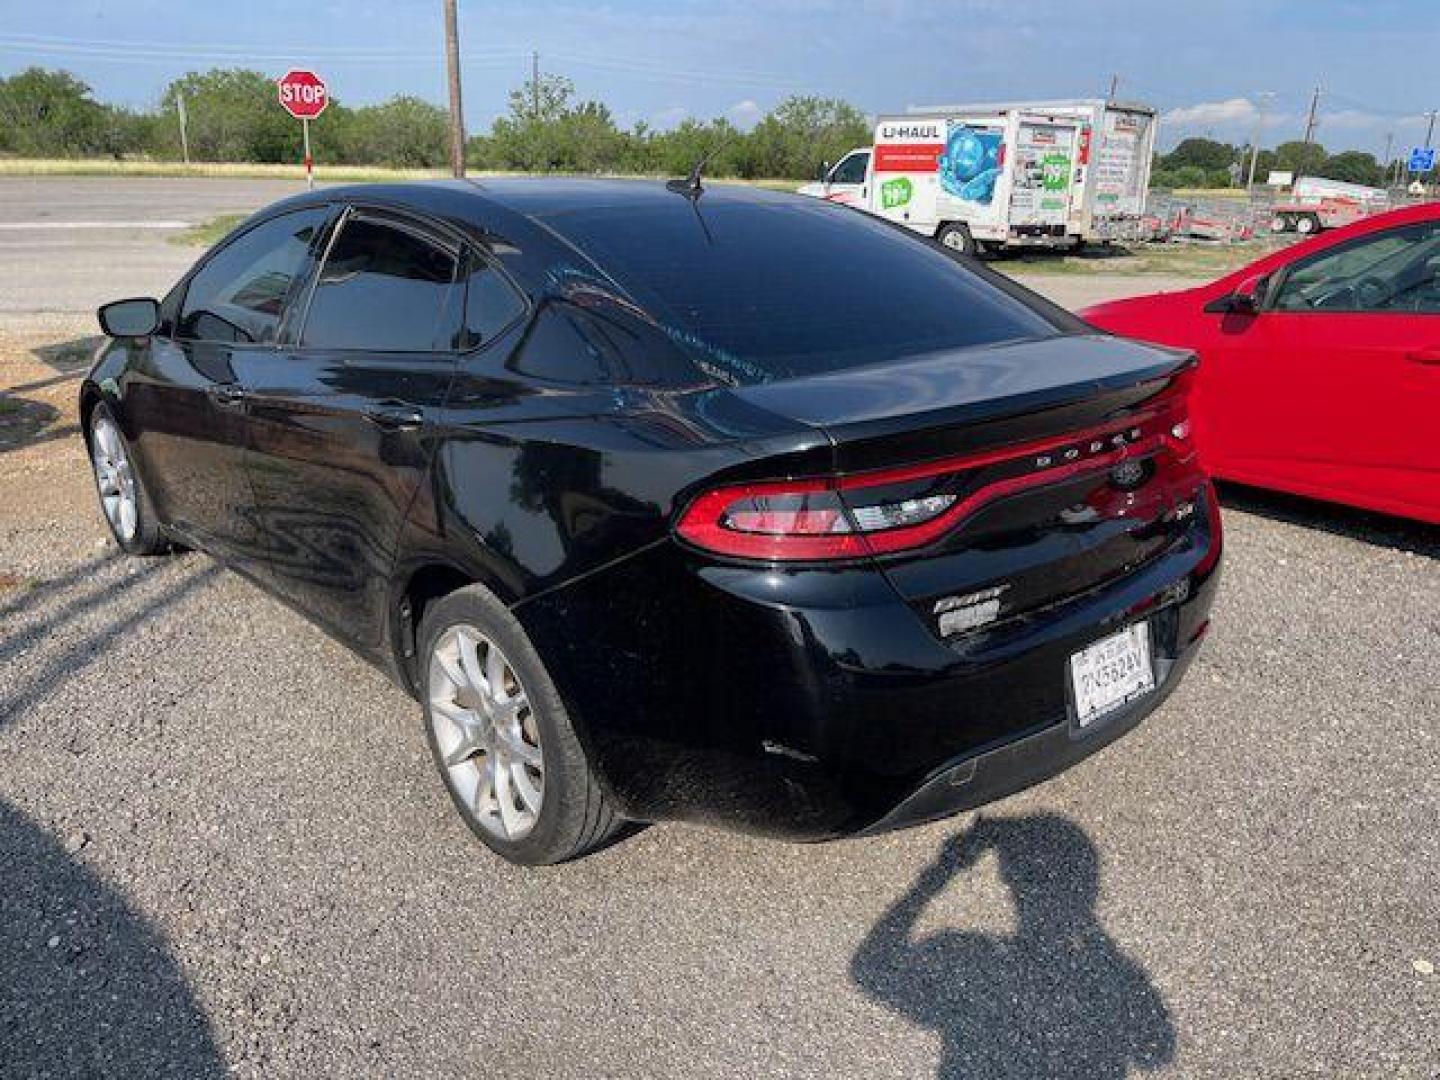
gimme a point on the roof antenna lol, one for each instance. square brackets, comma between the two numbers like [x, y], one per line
[690, 187]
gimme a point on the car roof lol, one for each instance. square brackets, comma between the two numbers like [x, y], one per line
[530, 212]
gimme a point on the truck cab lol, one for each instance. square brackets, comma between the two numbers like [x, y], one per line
[847, 181]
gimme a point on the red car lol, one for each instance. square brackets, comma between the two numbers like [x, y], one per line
[1320, 364]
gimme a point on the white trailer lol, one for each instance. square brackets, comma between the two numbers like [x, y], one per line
[1111, 176]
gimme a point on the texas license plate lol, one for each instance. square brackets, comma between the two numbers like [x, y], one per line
[1111, 673]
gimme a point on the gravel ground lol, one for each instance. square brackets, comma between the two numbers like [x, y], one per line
[224, 852]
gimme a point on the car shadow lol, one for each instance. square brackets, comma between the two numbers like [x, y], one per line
[1382, 530]
[41, 410]
[87, 985]
[1058, 998]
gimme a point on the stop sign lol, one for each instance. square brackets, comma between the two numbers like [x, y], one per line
[303, 94]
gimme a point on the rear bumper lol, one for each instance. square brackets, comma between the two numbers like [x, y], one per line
[1026, 761]
[810, 703]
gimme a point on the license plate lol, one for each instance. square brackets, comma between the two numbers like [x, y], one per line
[1110, 673]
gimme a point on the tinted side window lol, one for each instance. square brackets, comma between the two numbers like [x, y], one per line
[239, 295]
[491, 303]
[1397, 271]
[383, 288]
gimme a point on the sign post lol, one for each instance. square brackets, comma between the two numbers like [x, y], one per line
[303, 95]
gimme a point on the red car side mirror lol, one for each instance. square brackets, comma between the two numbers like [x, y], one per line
[1245, 299]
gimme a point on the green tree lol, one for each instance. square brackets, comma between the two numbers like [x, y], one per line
[234, 116]
[1201, 153]
[404, 132]
[51, 114]
[676, 151]
[802, 132]
[1353, 166]
[1301, 158]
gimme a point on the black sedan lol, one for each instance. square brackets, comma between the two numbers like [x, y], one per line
[667, 503]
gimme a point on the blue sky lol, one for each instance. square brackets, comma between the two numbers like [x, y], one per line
[1205, 65]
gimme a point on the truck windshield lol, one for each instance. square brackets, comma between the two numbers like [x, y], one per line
[756, 291]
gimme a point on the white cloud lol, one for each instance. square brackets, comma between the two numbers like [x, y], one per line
[744, 113]
[1214, 113]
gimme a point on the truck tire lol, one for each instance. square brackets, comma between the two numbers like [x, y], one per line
[956, 236]
[1307, 224]
[1281, 223]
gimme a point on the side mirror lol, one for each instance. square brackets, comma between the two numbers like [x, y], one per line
[138, 317]
[1244, 300]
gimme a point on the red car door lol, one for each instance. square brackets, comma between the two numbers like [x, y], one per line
[1351, 343]
[1330, 389]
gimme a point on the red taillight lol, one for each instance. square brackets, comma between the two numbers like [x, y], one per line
[900, 509]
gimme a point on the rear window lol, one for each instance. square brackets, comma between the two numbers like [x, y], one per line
[757, 293]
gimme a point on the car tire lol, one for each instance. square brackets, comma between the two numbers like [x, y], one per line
[124, 500]
[1307, 224]
[1281, 223]
[498, 759]
[956, 236]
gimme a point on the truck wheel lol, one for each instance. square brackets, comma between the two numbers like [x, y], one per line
[1307, 224]
[1281, 223]
[956, 236]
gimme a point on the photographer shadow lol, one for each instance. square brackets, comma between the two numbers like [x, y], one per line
[1058, 998]
[88, 986]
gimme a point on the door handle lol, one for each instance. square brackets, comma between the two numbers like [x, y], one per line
[1424, 356]
[227, 394]
[395, 417]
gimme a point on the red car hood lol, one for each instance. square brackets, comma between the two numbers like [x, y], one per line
[1151, 317]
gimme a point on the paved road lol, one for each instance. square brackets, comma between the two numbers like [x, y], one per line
[99, 237]
[223, 852]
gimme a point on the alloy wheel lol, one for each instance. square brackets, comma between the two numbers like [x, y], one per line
[115, 478]
[486, 732]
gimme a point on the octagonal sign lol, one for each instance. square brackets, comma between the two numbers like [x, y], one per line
[303, 94]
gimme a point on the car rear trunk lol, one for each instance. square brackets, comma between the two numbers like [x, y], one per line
[1058, 465]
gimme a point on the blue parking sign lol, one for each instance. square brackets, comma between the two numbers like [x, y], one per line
[1422, 159]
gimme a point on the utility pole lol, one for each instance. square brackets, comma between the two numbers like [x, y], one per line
[184, 136]
[1114, 85]
[1310, 120]
[1263, 96]
[457, 117]
[535, 85]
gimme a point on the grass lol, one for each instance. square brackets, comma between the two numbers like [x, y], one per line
[207, 232]
[1198, 259]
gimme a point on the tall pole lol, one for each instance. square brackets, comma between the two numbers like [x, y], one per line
[1310, 120]
[1430, 127]
[309, 160]
[1264, 96]
[184, 135]
[535, 85]
[1114, 85]
[457, 117]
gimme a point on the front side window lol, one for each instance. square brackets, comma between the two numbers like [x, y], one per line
[239, 295]
[851, 170]
[1395, 271]
[384, 287]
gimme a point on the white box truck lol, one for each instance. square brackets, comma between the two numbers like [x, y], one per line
[1056, 174]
